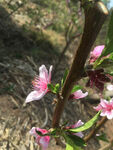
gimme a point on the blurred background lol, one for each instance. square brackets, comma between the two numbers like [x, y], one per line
[32, 33]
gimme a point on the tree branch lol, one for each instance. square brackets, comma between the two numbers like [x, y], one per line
[94, 19]
[94, 131]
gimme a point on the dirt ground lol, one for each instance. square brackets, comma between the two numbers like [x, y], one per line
[20, 57]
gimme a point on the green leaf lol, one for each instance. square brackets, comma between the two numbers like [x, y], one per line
[109, 43]
[102, 137]
[64, 77]
[106, 62]
[69, 147]
[50, 87]
[54, 89]
[75, 88]
[87, 125]
[73, 142]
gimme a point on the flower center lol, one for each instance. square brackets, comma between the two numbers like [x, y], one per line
[40, 84]
[109, 108]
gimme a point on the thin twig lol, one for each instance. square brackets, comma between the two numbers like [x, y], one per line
[97, 127]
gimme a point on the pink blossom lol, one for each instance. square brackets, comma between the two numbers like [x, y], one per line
[78, 94]
[106, 108]
[43, 141]
[110, 87]
[96, 53]
[40, 84]
[77, 124]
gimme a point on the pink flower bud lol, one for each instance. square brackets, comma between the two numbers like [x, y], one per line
[78, 94]
[96, 53]
[43, 141]
[77, 124]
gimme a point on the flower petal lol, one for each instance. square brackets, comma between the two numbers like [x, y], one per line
[77, 124]
[104, 103]
[35, 95]
[110, 87]
[109, 115]
[80, 134]
[96, 53]
[33, 131]
[79, 94]
[43, 72]
[44, 141]
[50, 70]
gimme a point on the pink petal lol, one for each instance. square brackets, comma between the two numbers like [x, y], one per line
[104, 103]
[98, 108]
[44, 141]
[103, 113]
[50, 70]
[77, 124]
[110, 87]
[96, 53]
[33, 132]
[44, 131]
[43, 72]
[97, 50]
[109, 115]
[79, 94]
[35, 95]
[80, 134]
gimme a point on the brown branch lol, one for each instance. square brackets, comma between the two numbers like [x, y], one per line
[97, 127]
[94, 19]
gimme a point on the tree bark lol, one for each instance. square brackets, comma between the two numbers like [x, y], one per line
[94, 19]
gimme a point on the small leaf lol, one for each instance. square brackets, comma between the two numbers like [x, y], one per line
[50, 87]
[75, 88]
[56, 88]
[73, 142]
[102, 137]
[69, 147]
[64, 77]
[106, 62]
[87, 125]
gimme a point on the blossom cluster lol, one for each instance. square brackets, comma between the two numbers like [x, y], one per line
[43, 141]
[106, 108]
[40, 86]
[96, 78]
